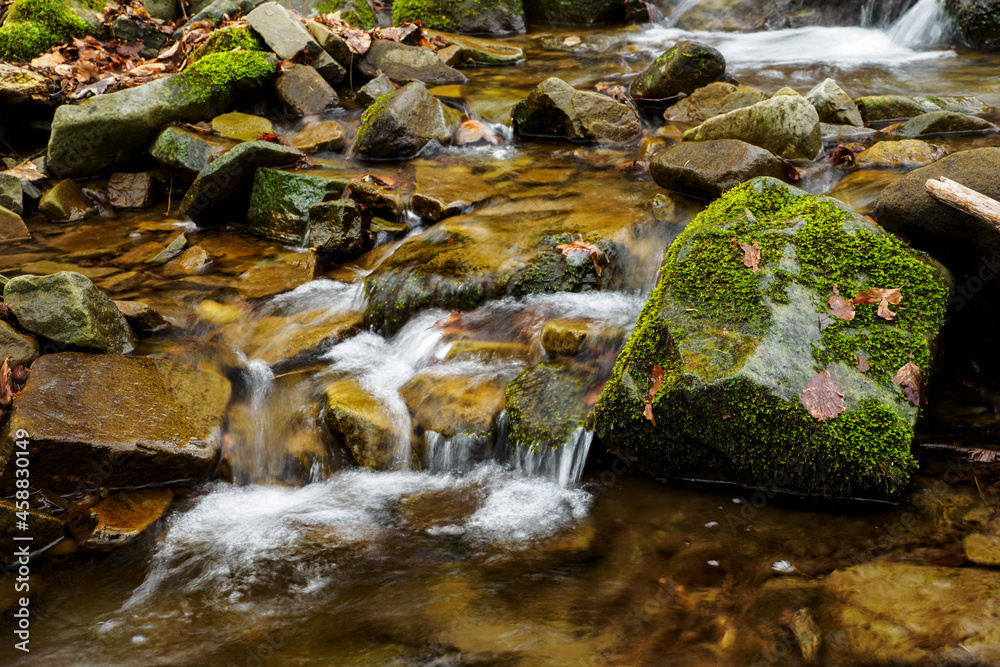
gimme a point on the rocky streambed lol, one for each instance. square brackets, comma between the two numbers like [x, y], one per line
[574, 345]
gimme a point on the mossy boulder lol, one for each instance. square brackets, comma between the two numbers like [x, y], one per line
[787, 126]
[185, 153]
[32, 27]
[714, 99]
[279, 204]
[400, 124]
[67, 308]
[556, 109]
[944, 122]
[574, 12]
[547, 403]
[227, 39]
[683, 68]
[978, 20]
[737, 348]
[89, 137]
[706, 169]
[889, 107]
[488, 17]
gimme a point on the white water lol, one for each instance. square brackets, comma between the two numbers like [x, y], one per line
[925, 24]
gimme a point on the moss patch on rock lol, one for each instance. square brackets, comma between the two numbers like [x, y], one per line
[227, 71]
[227, 39]
[358, 13]
[737, 348]
[32, 27]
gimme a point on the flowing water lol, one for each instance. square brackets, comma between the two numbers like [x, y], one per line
[477, 550]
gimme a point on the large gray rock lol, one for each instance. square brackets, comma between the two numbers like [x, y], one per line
[332, 43]
[222, 191]
[402, 123]
[787, 126]
[66, 307]
[82, 437]
[944, 122]
[303, 92]
[683, 68]
[89, 137]
[21, 350]
[834, 105]
[714, 99]
[403, 63]
[707, 169]
[187, 153]
[287, 37]
[374, 89]
[556, 109]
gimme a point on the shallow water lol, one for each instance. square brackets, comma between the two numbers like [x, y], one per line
[487, 557]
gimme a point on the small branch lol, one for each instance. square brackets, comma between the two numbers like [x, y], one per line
[966, 200]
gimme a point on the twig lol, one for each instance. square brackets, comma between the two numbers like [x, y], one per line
[966, 200]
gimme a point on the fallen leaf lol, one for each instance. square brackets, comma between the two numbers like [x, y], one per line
[148, 69]
[474, 131]
[576, 248]
[841, 308]
[862, 363]
[911, 379]
[656, 379]
[883, 297]
[170, 52]
[844, 153]
[358, 41]
[751, 255]
[615, 92]
[452, 326]
[824, 321]
[790, 171]
[7, 391]
[48, 60]
[821, 398]
[572, 40]
[26, 171]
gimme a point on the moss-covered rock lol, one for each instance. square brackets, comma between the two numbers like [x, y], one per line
[574, 12]
[556, 109]
[978, 20]
[279, 204]
[400, 124]
[65, 202]
[358, 13]
[889, 107]
[110, 128]
[186, 153]
[32, 27]
[488, 17]
[547, 403]
[227, 39]
[738, 347]
[683, 68]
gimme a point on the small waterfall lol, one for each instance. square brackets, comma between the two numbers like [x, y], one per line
[455, 453]
[563, 465]
[926, 24]
[679, 10]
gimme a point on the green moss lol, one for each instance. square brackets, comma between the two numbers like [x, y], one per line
[226, 71]
[357, 13]
[546, 403]
[32, 27]
[368, 117]
[227, 39]
[431, 14]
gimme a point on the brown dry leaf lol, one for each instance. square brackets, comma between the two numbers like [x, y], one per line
[984, 456]
[615, 92]
[452, 326]
[862, 363]
[751, 255]
[358, 41]
[7, 392]
[48, 60]
[148, 69]
[577, 247]
[841, 308]
[656, 379]
[883, 297]
[170, 52]
[473, 132]
[911, 379]
[821, 397]
[26, 171]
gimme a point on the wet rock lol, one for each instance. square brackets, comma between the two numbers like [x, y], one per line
[438, 509]
[274, 339]
[192, 262]
[361, 423]
[400, 124]
[287, 37]
[384, 200]
[186, 153]
[977, 20]
[12, 227]
[140, 254]
[889, 107]
[43, 529]
[174, 247]
[959, 104]
[321, 136]
[65, 202]
[21, 350]
[480, 51]
[453, 405]
[713, 100]
[402, 64]
[844, 133]
[486, 351]
[786, 126]
[904, 614]
[81, 439]
[66, 307]
[443, 192]
[834, 105]
[333, 43]
[480, 17]
[221, 192]
[303, 92]
[568, 337]
[547, 403]
[140, 316]
[274, 276]
[11, 193]
[241, 126]
[87, 138]
[387, 227]
[227, 39]
[335, 229]
[905, 153]
[966, 245]
[19, 85]
[567, 12]
[707, 169]
[944, 122]
[214, 13]
[736, 362]
[683, 68]
[279, 204]
[131, 190]
[556, 109]
[374, 89]
[122, 282]
[120, 519]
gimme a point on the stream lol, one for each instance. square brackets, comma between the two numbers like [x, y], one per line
[484, 553]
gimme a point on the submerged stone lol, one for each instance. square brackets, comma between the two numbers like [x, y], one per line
[324, 135]
[140, 316]
[709, 384]
[442, 192]
[241, 126]
[905, 153]
[556, 109]
[683, 68]
[480, 51]
[453, 405]
[120, 519]
[81, 438]
[43, 529]
[277, 275]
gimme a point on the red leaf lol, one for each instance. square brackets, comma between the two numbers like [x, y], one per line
[911, 379]
[656, 378]
[821, 397]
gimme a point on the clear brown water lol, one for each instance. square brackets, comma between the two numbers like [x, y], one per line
[308, 561]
